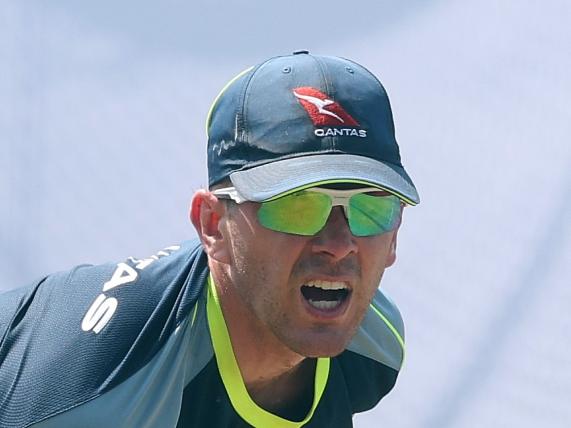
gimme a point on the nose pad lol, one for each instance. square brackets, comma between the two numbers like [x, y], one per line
[337, 216]
[342, 212]
[335, 238]
[346, 213]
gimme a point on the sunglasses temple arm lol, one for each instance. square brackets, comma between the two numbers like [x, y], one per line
[230, 192]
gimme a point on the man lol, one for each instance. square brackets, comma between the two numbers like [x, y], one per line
[274, 319]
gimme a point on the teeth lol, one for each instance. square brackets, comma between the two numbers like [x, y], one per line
[323, 304]
[327, 285]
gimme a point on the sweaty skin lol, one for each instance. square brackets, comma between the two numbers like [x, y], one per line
[259, 273]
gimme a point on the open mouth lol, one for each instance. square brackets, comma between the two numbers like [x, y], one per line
[325, 296]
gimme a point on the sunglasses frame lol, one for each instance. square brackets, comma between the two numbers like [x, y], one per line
[338, 197]
[230, 193]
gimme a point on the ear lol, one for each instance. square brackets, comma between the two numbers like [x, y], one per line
[392, 254]
[206, 212]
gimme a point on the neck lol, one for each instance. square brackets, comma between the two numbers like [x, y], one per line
[277, 378]
[289, 395]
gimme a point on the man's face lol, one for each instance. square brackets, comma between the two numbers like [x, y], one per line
[279, 277]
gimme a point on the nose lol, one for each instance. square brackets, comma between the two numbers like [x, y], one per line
[335, 239]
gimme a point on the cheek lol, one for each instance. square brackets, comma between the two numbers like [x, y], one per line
[381, 246]
[262, 255]
[376, 255]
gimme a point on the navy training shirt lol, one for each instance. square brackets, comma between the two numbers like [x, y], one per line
[143, 343]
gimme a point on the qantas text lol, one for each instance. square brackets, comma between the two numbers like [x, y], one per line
[103, 308]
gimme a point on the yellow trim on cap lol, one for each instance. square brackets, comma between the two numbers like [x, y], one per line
[209, 115]
[232, 378]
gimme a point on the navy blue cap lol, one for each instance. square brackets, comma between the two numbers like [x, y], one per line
[301, 120]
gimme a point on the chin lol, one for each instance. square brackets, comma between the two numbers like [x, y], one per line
[325, 354]
[322, 348]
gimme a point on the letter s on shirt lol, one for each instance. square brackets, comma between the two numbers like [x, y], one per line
[99, 313]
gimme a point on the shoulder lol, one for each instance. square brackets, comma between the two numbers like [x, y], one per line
[138, 288]
[381, 334]
[94, 297]
[84, 331]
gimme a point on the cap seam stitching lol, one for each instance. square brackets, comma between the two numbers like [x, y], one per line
[245, 92]
[328, 87]
[382, 88]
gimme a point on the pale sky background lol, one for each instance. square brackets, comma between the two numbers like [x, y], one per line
[102, 143]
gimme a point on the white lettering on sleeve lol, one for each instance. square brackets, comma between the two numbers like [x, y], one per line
[99, 313]
[122, 275]
[103, 308]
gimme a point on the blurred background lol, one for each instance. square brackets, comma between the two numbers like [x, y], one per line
[102, 143]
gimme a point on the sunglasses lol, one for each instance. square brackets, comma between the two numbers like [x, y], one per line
[369, 211]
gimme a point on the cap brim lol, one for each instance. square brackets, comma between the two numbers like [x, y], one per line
[275, 178]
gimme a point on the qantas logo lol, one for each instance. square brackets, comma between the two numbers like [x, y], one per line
[326, 113]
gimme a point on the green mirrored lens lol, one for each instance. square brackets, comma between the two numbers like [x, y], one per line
[372, 215]
[301, 213]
